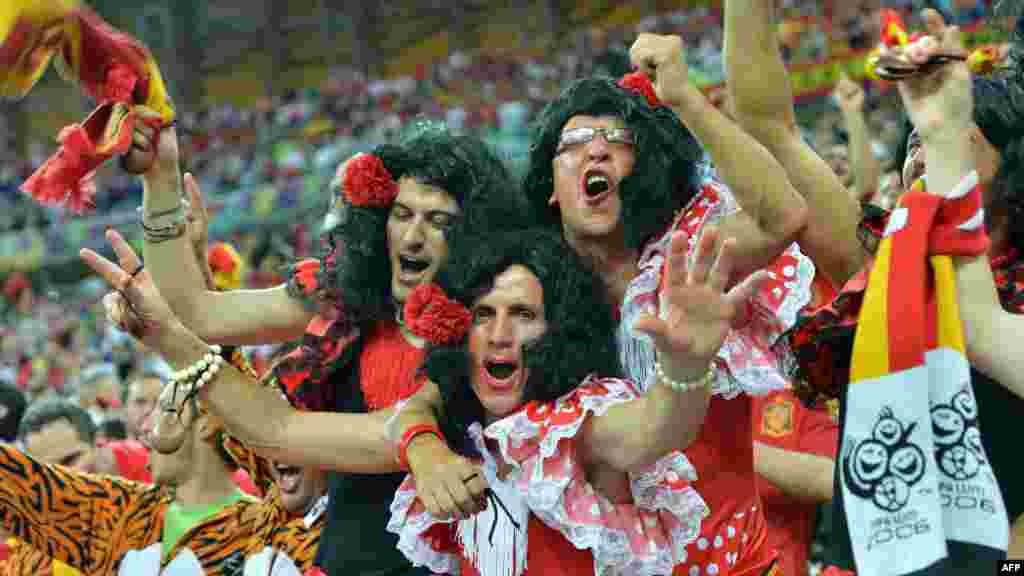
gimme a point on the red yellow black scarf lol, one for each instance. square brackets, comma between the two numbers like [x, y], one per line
[911, 443]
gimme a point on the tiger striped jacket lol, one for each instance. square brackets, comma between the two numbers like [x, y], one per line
[90, 522]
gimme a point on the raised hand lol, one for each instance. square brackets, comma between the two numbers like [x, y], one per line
[849, 95]
[153, 152]
[696, 312]
[662, 59]
[940, 103]
[135, 306]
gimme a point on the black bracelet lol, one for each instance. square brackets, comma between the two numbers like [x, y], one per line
[163, 213]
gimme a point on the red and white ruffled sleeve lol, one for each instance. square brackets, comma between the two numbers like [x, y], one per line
[747, 360]
[423, 539]
[648, 536]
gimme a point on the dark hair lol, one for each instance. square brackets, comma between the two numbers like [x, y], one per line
[113, 428]
[462, 166]
[580, 339]
[15, 402]
[999, 114]
[42, 413]
[665, 173]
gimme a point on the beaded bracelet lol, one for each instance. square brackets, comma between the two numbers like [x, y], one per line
[200, 373]
[682, 386]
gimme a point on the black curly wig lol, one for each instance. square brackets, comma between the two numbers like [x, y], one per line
[463, 166]
[665, 174]
[580, 339]
[999, 114]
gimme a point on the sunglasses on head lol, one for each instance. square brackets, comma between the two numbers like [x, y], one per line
[577, 136]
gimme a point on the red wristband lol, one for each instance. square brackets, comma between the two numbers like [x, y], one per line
[412, 432]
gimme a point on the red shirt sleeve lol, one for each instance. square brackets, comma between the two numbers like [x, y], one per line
[819, 433]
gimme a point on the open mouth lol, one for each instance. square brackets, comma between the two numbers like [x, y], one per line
[501, 371]
[412, 265]
[596, 186]
[288, 477]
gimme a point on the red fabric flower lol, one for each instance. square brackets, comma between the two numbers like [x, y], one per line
[305, 275]
[639, 83]
[368, 183]
[223, 258]
[430, 314]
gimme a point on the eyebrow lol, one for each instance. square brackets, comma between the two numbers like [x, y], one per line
[433, 212]
[68, 459]
[523, 308]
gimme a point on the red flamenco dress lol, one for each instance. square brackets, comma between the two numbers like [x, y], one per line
[548, 519]
[721, 460]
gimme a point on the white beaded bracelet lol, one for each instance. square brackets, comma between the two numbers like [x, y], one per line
[200, 373]
[677, 386]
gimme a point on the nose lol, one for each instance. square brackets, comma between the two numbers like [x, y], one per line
[147, 428]
[597, 149]
[413, 238]
[501, 334]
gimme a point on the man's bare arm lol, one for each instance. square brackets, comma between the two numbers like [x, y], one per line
[242, 317]
[762, 98]
[799, 475]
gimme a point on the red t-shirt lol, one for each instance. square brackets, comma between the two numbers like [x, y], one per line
[780, 420]
[132, 460]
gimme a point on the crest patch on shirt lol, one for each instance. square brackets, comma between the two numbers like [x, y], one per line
[777, 418]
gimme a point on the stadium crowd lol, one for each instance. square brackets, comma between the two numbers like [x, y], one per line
[63, 362]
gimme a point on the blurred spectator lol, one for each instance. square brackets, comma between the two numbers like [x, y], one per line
[12, 407]
[99, 389]
[59, 431]
[142, 394]
[19, 294]
[111, 429]
[608, 59]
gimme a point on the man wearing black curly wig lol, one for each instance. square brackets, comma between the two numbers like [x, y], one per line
[616, 166]
[528, 387]
[397, 208]
[990, 142]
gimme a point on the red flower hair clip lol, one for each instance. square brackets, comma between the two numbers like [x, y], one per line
[431, 315]
[305, 274]
[639, 83]
[367, 183]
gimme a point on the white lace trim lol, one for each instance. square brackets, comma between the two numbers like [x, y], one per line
[746, 361]
[410, 530]
[664, 502]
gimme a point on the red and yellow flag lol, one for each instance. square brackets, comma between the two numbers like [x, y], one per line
[114, 68]
[894, 32]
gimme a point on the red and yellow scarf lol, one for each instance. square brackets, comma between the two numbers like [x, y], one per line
[911, 442]
[108, 65]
